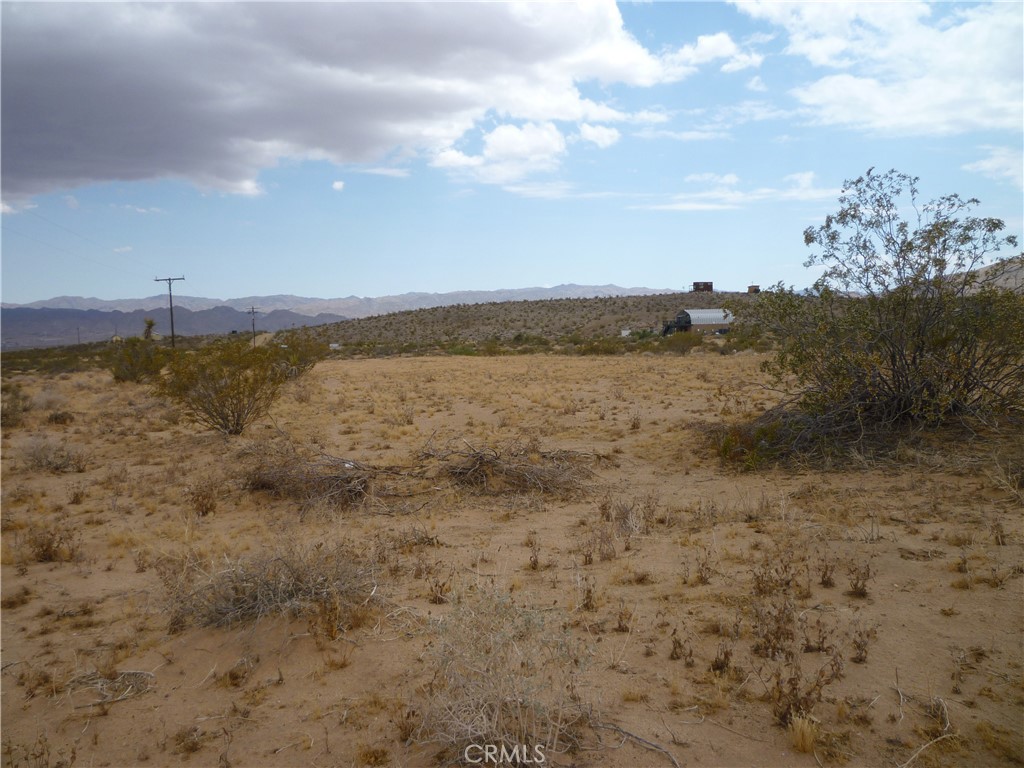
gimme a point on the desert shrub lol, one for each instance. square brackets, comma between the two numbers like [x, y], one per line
[61, 418]
[202, 495]
[744, 337]
[135, 360]
[14, 404]
[901, 331]
[225, 386]
[292, 580]
[681, 343]
[503, 675]
[54, 457]
[298, 351]
[52, 542]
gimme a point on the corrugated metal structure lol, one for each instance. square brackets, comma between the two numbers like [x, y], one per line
[710, 316]
[702, 288]
[706, 319]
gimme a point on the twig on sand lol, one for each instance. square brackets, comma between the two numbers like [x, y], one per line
[923, 747]
[639, 740]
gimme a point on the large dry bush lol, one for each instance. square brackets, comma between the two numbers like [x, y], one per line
[291, 580]
[900, 331]
[504, 675]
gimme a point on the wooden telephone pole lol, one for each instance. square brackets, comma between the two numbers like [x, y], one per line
[170, 299]
[252, 311]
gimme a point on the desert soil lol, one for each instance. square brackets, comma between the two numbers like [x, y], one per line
[678, 584]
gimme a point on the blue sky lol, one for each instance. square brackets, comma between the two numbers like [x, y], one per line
[338, 149]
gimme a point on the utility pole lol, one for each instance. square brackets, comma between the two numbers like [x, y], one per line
[252, 311]
[170, 299]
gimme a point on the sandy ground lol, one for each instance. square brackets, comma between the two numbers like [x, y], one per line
[674, 590]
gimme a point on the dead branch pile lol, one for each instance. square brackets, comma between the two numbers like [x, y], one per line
[290, 580]
[515, 467]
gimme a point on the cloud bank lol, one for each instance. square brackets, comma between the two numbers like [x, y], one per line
[215, 92]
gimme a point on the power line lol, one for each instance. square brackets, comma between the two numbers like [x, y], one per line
[69, 230]
[6, 228]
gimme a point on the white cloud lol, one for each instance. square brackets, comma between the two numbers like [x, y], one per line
[337, 186]
[725, 195]
[1002, 164]
[510, 153]
[687, 59]
[19, 206]
[692, 135]
[71, 202]
[554, 190]
[756, 84]
[394, 173]
[743, 61]
[907, 68]
[124, 249]
[600, 135]
[728, 179]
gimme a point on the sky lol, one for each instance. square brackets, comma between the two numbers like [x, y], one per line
[335, 149]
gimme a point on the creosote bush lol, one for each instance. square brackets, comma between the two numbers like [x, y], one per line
[298, 351]
[135, 360]
[15, 403]
[225, 386]
[901, 332]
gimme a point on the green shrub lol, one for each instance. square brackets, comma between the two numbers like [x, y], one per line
[681, 343]
[298, 351]
[901, 331]
[13, 405]
[135, 360]
[225, 386]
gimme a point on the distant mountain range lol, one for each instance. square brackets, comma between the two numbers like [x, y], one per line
[69, 319]
[349, 306]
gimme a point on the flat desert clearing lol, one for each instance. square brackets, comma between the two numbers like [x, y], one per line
[415, 556]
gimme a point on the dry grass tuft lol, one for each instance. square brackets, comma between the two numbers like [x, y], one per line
[802, 733]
